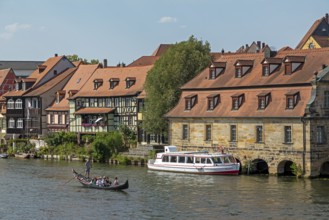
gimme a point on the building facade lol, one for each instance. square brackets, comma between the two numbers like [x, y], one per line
[268, 109]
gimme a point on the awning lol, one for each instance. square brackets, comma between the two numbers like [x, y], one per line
[83, 111]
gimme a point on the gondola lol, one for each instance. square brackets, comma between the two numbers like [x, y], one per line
[87, 182]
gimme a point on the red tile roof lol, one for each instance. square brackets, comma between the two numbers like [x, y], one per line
[79, 78]
[251, 85]
[120, 73]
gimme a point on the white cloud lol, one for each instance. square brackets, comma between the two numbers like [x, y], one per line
[10, 29]
[167, 19]
[16, 27]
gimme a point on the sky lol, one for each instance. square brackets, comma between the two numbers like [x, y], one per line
[124, 30]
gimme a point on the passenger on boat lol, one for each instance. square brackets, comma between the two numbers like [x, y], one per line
[116, 181]
[99, 182]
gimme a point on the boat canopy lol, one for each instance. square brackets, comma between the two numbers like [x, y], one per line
[170, 149]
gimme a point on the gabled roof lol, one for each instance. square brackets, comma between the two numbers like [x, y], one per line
[161, 49]
[253, 85]
[79, 78]
[144, 61]
[313, 31]
[4, 73]
[313, 60]
[20, 65]
[120, 73]
[50, 84]
[49, 65]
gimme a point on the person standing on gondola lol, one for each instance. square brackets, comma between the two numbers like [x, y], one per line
[88, 166]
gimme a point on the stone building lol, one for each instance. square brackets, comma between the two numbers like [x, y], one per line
[269, 109]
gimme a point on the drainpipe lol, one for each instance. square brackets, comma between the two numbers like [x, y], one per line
[304, 144]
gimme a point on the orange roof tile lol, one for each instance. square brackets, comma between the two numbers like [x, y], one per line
[120, 73]
[79, 78]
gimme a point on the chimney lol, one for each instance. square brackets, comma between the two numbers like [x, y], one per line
[327, 18]
[263, 45]
[223, 50]
[105, 63]
[56, 54]
[258, 44]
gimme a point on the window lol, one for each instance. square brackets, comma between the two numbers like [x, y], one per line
[190, 101]
[263, 100]
[287, 134]
[19, 123]
[270, 65]
[292, 99]
[11, 123]
[185, 132]
[17, 86]
[326, 99]
[93, 102]
[242, 67]
[233, 133]
[208, 132]
[216, 69]
[116, 102]
[237, 101]
[108, 102]
[213, 101]
[320, 135]
[52, 119]
[266, 70]
[98, 83]
[60, 119]
[18, 104]
[259, 134]
[293, 64]
[11, 104]
[130, 81]
[35, 103]
[114, 82]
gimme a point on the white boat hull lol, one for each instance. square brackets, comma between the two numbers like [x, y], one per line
[229, 169]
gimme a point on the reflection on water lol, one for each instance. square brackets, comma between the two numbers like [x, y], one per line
[38, 189]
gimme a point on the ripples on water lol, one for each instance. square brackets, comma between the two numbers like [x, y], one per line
[38, 189]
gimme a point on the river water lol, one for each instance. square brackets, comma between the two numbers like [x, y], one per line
[42, 189]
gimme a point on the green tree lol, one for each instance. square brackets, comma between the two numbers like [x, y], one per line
[107, 144]
[129, 136]
[179, 64]
[75, 58]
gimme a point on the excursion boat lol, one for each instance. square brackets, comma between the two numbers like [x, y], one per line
[87, 182]
[198, 162]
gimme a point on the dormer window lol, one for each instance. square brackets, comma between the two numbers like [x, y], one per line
[293, 64]
[130, 81]
[98, 83]
[190, 101]
[237, 101]
[41, 68]
[242, 67]
[59, 96]
[72, 92]
[216, 69]
[114, 82]
[264, 99]
[292, 99]
[213, 101]
[270, 65]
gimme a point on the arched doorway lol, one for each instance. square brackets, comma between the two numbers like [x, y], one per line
[324, 171]
[257, 166]
[284, 168]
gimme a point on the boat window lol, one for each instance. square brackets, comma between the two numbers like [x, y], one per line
[181, 159]
[173, 159]
[226, 160]
[216, 160]
[189, 160]
[232, 159]
[165, 159]
[197, 160]
[209, 161]
[203, 160]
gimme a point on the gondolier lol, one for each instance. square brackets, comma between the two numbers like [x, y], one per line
[88, 166]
